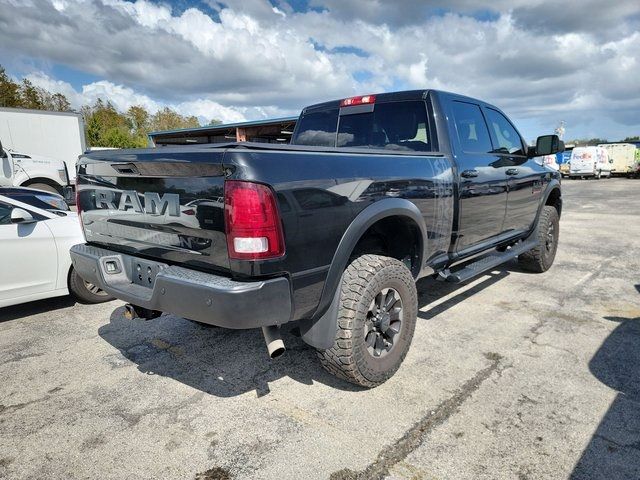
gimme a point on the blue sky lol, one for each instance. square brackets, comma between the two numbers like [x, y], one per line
[244, 60]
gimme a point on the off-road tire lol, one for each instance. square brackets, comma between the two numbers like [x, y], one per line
[540, 258]
[364, 279]
[79, 289]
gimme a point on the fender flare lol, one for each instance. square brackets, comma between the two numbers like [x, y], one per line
[554, 184]
[319, 330]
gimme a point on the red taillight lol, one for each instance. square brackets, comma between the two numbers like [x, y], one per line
[252, 221]
[361, 100]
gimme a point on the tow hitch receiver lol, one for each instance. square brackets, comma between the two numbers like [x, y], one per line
[134, 311]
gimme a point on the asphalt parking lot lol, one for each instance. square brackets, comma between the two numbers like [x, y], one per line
[513, 375]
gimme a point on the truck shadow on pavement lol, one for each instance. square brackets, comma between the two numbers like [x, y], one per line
[431, 290]
[217, 361]
[227, 363]
[614, 450]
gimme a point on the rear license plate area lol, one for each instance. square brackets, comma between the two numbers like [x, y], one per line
[144, 273]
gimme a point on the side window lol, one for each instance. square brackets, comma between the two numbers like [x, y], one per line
[317, 128]
[471, 127]
[506, 137]
[5, 214]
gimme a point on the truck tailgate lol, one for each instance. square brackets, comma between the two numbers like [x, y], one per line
[152, 203]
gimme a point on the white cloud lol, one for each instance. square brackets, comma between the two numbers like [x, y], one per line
[123, 98]
[255, 59]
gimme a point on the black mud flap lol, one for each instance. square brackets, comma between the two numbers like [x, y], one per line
[321, 333]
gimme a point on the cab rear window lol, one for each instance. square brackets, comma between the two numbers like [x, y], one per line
[391, 126]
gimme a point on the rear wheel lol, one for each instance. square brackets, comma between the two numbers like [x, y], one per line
[540, 258]
[85, 291]
[376, 321]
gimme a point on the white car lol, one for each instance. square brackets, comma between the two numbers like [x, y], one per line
[36, 231]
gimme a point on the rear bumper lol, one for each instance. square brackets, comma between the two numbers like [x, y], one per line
[191, 294]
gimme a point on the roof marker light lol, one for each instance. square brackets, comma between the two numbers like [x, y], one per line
[361, 100]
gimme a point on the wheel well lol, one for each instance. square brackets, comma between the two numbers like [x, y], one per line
[46, 181]
[555, 200]
[69, 276]
[397, 237]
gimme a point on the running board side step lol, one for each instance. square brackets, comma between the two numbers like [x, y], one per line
[487, 262]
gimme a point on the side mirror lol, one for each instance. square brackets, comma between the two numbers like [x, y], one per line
[19, 215]
[548, 145]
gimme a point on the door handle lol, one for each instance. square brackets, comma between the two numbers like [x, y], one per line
[469, 173]
[512, 171]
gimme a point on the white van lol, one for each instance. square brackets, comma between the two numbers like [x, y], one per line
[622, 156]
[589, 162]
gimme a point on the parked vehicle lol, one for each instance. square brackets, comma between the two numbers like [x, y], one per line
[330, 232]
[36, 231]
[551, 162]
[41, 173]
[635, 170]
[622, 157]
[43, 147]
[589, 162]
[564, 160]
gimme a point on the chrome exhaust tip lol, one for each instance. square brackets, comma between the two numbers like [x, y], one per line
[275, 345]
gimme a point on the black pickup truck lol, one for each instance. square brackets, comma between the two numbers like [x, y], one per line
[330, 232]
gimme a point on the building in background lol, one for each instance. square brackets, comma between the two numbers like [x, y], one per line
[276, 130]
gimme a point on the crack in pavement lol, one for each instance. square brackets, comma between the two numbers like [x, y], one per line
[415, 436]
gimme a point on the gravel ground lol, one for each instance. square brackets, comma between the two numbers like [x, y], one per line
[512, 375]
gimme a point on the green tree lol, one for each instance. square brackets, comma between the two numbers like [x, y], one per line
[9, 91]
[30, 96]
[139, 118]
[168, 119]
[584, 142]
[106, 127]
[214, 122]
[117, 137]
[632, 139]
[60, 103]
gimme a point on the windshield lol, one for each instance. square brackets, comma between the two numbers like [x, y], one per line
[393, 126]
